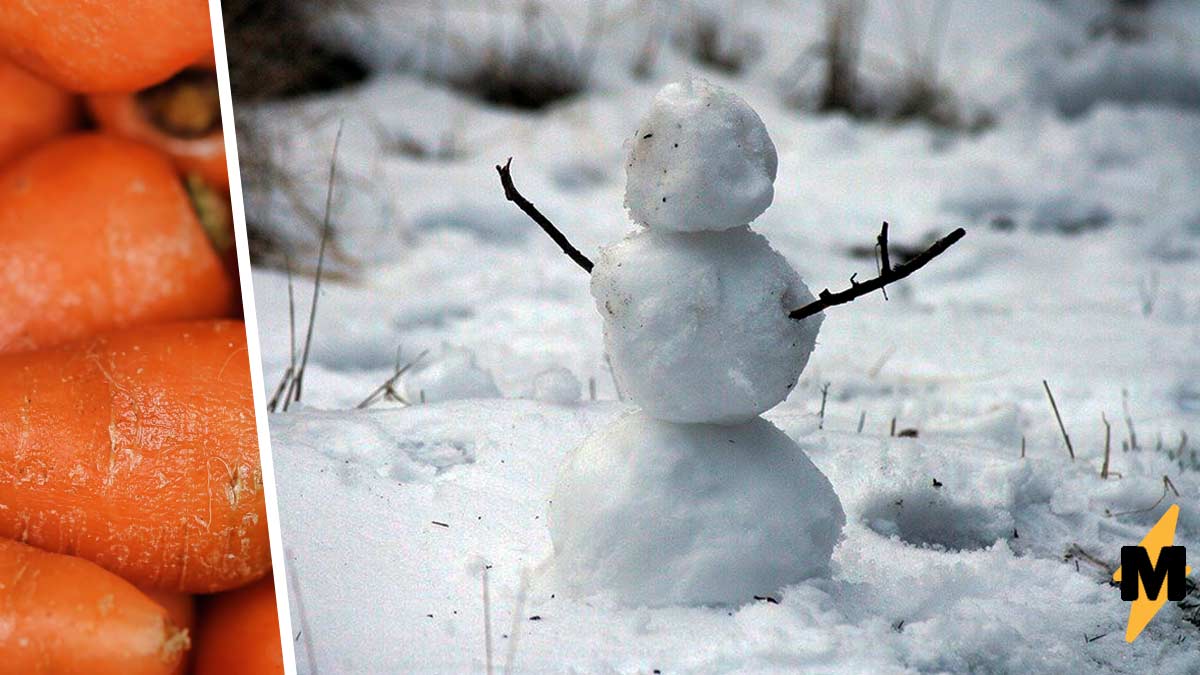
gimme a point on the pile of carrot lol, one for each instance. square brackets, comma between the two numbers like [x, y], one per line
[133, 530]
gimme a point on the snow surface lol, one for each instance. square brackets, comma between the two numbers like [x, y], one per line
[700, 159]
[1081, 267]
[696, 324]
[656, 514]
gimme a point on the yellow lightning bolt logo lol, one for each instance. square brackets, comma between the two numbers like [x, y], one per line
[1142, 610]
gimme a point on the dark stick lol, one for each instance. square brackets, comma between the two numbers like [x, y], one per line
[1058, 417]
[824, 395]
[511, 194]
[298, 382]
[1107, 446]
[885, 261]
[888, 275]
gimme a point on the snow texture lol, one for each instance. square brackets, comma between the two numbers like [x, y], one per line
[696, 325]
[449, 375]
[701, 160]
[556, 385]
[658, 514]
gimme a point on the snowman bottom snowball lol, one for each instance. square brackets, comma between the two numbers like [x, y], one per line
[696, 325]
[659, 514]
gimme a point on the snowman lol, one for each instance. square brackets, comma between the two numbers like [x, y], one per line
[694, 499]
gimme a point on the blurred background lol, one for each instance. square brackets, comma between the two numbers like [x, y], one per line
[1063, 134]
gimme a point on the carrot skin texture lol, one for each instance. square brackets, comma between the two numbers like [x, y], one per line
[93, 46]
[239, 633]
[34, 111]
[98, 233]
[60, 614]
[137, 450]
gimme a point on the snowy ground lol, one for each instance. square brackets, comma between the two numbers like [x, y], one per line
[989, 571]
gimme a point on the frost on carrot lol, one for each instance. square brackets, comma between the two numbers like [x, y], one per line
[60, 614]
[138, 450]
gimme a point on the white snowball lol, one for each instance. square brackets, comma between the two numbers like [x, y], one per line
[696, 325]
[701, 160]
[690, 514]
[556, 385]
[449, 375]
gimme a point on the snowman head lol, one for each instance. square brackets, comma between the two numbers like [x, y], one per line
[701, 160]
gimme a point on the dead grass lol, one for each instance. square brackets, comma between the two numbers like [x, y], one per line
[906, 90]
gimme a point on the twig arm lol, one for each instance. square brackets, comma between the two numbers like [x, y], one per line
[887, 275]
[512, 195]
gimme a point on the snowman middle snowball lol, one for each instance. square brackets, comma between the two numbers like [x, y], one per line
[695, 305]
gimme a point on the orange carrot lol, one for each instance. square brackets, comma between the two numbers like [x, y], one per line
[60, 614]
[96, 46]
[239, 633]
[137, 450]
[181, 609]
[34, 111]
[181, 117]
[98, 233]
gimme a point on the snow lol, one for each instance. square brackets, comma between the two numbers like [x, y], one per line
[926, 578]
[700, 159]
[657, 514]
[450, 374]
[556, 385]
[966, 576]
[696, 326]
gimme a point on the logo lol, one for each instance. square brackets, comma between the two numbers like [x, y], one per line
[1152, 573]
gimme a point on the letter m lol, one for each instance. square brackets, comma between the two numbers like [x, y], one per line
[1136, 565]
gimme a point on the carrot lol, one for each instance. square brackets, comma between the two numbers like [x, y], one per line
[181, 609]
[93, 46]
[181, 117]
[98, 233]
[239, 633]
[34, 111]
[60, 614]
[137, 450]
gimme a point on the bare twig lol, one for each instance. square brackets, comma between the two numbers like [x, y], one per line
[387, 390]
[1076, 551]
[487, 619]
[287, 258]
[1167, 486]
[286, 381]
[297, 598]
[512, 195]
[514, 632]
[1107, 446]
[885, 261]
[824, 396]
[296, 389]
[825, 299]
[887, 275]
[862, 419]
[1063, 429]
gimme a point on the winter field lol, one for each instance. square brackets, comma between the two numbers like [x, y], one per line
[1064, 136]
